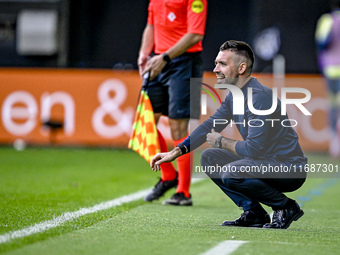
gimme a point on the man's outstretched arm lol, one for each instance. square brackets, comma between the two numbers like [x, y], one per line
[160, 158]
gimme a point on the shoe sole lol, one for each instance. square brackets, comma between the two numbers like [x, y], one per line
[150, 200]
[249, 226]
[256, 226]
[177, 204]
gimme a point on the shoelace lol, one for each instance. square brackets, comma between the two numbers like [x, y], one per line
[277, 216]
[243, 216]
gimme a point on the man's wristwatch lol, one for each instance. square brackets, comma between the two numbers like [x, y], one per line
[166, 58]
[218, 142]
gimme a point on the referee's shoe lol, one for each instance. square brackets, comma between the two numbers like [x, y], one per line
[179, 199]
[160, 188]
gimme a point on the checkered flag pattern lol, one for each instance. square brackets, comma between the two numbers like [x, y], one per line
[144, 137]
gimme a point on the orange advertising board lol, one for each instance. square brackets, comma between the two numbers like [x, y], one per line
[97, 107]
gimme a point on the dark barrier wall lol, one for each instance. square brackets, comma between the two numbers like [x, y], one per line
[31, 13]
[296, 22]
[107, 34]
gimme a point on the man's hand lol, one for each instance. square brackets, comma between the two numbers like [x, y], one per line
[160, 158]
[142, 60]
[212, 137]
[227, 144]
[155, 65]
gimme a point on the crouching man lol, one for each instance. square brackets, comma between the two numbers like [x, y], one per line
[265, 145]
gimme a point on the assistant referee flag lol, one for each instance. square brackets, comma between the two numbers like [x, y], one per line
[144, 137]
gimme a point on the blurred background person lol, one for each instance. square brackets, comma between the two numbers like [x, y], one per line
[328, 43]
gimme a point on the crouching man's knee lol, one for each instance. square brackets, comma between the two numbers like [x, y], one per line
[230, 179]
[208, 157]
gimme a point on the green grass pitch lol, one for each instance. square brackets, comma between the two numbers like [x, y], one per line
[39, 184]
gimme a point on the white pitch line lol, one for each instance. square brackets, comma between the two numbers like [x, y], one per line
[225, 248]
[68, 216]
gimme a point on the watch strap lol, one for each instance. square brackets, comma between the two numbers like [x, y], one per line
[166, 58]
[218, 142]
[183, 148]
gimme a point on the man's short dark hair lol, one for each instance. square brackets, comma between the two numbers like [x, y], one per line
[241, 49]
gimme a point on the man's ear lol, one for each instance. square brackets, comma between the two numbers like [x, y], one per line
[242, 68]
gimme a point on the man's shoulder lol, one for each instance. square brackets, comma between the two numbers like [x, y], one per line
[259, 89]
[262, 95]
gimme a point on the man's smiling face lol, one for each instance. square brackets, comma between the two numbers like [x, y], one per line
[226, 69]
